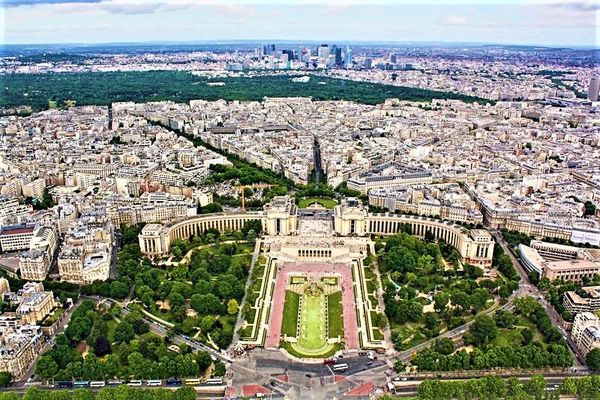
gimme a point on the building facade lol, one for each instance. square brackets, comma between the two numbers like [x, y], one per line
[19, 348]
[586, 332]
[350, 218]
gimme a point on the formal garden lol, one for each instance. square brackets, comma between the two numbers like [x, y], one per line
[311, 318]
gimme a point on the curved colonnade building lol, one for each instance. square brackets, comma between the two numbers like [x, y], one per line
[350, 218]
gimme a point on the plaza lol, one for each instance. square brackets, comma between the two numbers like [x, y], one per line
[311, 293]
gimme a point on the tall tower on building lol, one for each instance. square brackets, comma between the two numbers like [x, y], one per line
[348, 57]
[323, 51]
[594, 88]
[338, 56]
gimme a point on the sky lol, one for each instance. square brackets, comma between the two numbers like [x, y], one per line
[538, 22]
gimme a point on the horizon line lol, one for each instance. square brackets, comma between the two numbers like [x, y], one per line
[301, 41]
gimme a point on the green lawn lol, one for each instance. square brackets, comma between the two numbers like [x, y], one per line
[312, 322]
[111, 327]
[329, 351]
[508, 337]
[325, 202]
[290, 314]
[52, 318]
[335, 315]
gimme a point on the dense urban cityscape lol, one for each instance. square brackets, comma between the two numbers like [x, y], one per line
[298, 219]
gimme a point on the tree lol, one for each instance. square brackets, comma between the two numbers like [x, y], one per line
[83, 394]
[232, 307]
[118, 290]
[5, 378]
[527, 335]
[440, 301]
[207, 304]
[444, 346]
[203, 360]
[102, 346]
[526, 305]
[536, 386]
[251, 235]
[124, 332]
[592, 359]
[185, 393]
[482, 331]
[46, 367]
[504, 319]
[219, 369]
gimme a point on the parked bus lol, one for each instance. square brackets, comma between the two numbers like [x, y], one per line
[340, 367]
[192, 381]
[153, 382]
[97, 384]
[81, 384]
[135, 382]
[115, 383]
[63, 384]
[214, 381]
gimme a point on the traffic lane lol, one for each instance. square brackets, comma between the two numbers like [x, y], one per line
[359, 364]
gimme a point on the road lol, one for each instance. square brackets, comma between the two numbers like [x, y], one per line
[410, 388]
[317, 160]
[533, 291]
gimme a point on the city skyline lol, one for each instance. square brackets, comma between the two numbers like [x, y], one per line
[567, 24]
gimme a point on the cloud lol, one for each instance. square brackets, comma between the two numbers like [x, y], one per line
[130, 8]
[453, 20]
[17, 3]
[236, 12]
[577, 6]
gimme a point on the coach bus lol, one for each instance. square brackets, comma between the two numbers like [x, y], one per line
[115, 383]
[340, 367]
[64, 384]
[153, 382]
[97, 384]
[214, 381]
[135, 382]
[192, 381]
[81, 384]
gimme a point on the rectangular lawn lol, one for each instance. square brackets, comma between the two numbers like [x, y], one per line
[335, 315]
[289, 324]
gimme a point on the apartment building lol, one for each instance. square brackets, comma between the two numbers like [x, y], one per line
[429, 201]
[586, 332]
[389, 175]
[35, 189]
[19, 348]
[16, 238]
[589, 302]
[10, 210]
[34, 263]
[86, 253]
[34, 303]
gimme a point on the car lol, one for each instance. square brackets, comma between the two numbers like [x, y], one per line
[174, 382]
[369, 362]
